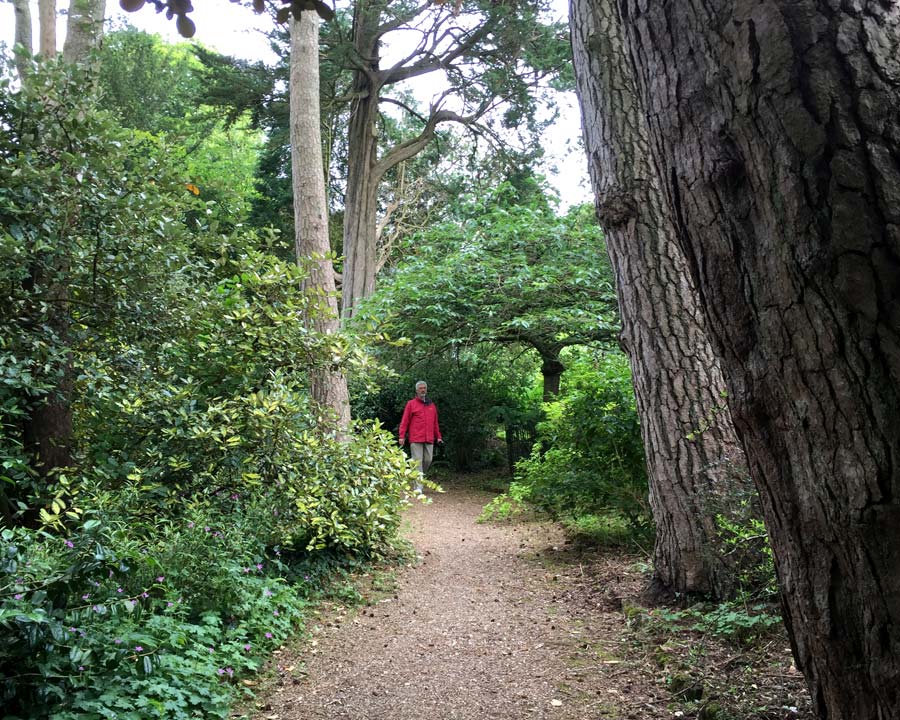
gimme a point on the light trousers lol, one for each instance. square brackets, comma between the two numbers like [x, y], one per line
[422, 454]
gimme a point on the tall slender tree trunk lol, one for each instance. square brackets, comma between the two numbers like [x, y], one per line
[328, 386]
[84, 29]
[23, 34]
[695, 464]
[774, 130]
[360, 206]
[47, 27]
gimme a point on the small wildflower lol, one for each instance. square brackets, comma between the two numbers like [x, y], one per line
[119, 590]
[138, 648]
[259, 566]
[230, 671]
[145, 595]
[19, 596]
[221, 671]
[247, 647]
[86, 597]
[246, 569]
[118, 641]
[81, 668]
[268, 636]
[234, 496]
[70, 544]
[212, 649]
[96, 608]
[207, 528]
[160, 578]
[71, 629]
[267, 592]
[275, 613]
[170, 604]
[191, 524]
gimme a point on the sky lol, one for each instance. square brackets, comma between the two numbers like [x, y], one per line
[236, 31]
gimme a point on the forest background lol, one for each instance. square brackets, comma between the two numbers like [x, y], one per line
[178, 373]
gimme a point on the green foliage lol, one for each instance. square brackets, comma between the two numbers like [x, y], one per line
[735, 622]
[508, 273]
[198, 463]
[589, 457]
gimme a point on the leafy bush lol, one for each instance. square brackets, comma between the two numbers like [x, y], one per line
[589, 458]
[93, 629]
[153, 575]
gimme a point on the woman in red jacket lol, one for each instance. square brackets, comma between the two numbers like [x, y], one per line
[420, 419]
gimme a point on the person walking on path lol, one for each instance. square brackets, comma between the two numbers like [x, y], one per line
[420, 420]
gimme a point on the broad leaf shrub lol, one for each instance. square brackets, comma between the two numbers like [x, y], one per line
[207, 499]
[587, 467]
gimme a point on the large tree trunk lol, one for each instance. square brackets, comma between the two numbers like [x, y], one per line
[360, 205]
[695, 465]
[47, 28]
[84, 29]
[328, 387]
[774, 128]
[22, 9]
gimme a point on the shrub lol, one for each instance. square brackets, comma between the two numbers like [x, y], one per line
[589, 458]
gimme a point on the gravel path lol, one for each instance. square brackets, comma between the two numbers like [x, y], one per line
[477, 629]
[505, 621]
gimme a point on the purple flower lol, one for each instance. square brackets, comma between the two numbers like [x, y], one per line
[247, 647]
[234, 496]
[145, 595]
[221, 671]
[71, 629]
[275, 613]
[259, 566]
[96, 608]
[118, 641]
[212, 649]
[230, 671]
[206, 528]
[191, 524]
[268, 636]
[118, 589]
[19, 596]
[138, 648]
[246, 569]
[70, 544]
[81, 668]
[267, 592]
[85, 597]
[169, 604]
[160, 578]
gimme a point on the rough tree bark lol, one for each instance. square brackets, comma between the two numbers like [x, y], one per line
[327, 387]
[678, 384]
[84, 29]
[775, 131]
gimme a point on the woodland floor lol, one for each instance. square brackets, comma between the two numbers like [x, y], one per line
[507, 621]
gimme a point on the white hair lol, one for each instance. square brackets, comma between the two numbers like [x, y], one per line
[421, 382]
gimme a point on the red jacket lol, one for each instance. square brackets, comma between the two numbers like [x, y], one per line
[422, 422]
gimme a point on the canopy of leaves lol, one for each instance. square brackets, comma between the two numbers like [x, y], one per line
[505, 272]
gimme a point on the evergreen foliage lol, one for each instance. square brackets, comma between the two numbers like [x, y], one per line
[145, 576]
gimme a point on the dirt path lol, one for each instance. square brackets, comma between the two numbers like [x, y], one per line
[499, 622]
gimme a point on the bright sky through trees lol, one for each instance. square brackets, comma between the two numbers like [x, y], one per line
[238, 31]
